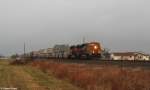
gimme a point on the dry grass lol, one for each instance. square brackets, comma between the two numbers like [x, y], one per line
[98, 77]
[24, 77]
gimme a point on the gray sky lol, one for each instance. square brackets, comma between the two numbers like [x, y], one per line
[118, 24]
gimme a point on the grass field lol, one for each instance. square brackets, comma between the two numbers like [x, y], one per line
[24, 77]
[48, 75]
[98, 77]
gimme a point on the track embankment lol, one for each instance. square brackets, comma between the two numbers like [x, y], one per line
[120, 63]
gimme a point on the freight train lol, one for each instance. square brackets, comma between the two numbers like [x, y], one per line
[85, 50]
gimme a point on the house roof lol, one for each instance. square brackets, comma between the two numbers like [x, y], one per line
[124, 53]
[128, 53]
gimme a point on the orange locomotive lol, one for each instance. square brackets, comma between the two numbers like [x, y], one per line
[87, 50]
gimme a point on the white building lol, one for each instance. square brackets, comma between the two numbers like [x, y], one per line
[61, 51]
[129, 56]
[43, 53]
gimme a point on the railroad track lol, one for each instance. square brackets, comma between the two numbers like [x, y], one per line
[121, 63]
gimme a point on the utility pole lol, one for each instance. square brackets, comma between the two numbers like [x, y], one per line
[24, 49]
[83, 39]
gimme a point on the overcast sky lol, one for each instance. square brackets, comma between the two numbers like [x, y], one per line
[118, 24]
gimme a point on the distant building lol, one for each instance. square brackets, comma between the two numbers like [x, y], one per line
[50, 52]
[129, 56]
[61, 51]
[34, 53]
[43, 53]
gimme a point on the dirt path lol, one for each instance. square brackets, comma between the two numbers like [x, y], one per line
[28, 78]
[16, 77]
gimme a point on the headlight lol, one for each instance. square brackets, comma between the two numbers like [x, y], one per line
[95, 47]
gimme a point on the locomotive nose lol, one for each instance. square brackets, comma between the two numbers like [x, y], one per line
[95, 50]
